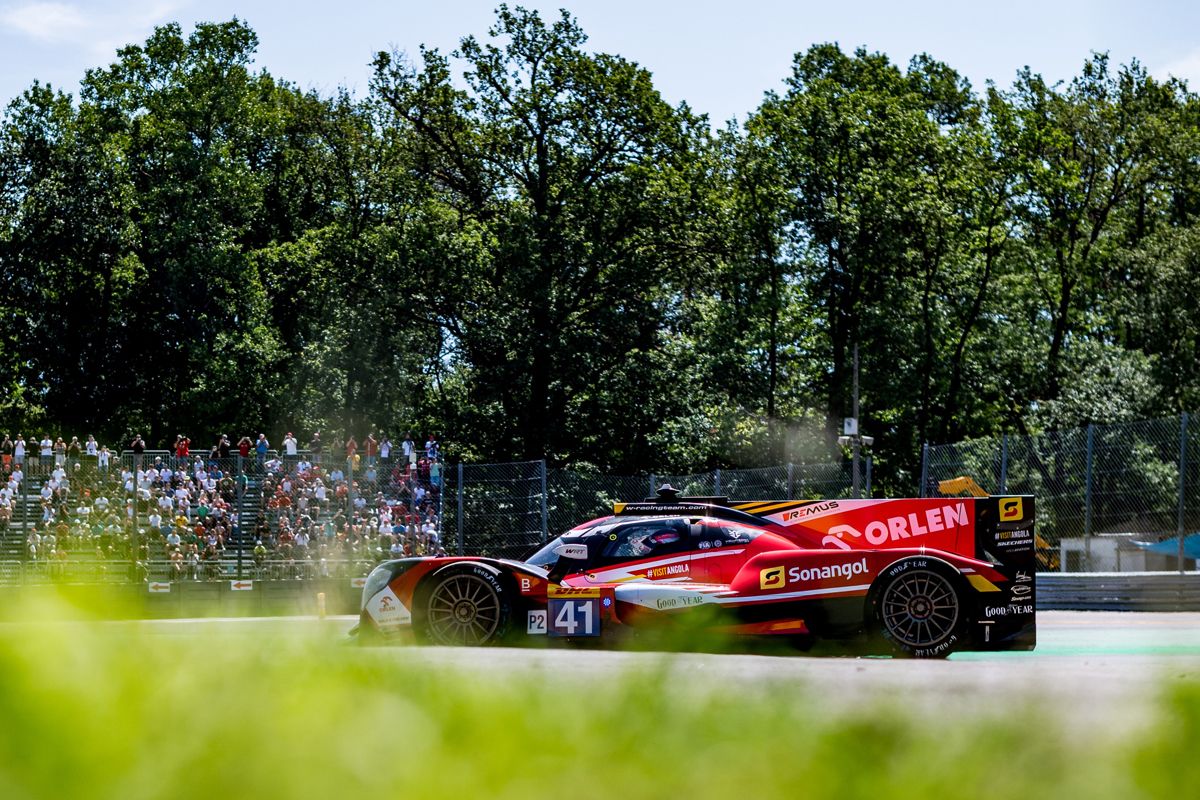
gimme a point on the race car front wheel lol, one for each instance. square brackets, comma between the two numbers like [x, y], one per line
[465, 608]
[919, 608]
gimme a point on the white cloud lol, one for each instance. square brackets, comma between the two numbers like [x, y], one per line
[97, 27]
[1186, 68]
[46, 22]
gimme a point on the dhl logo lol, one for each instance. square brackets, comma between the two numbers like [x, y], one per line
[571, 591]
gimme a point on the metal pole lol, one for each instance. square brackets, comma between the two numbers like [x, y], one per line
[1004, 464]
[461, 542]
[868, 476]
[924, 468]
[349, 487]
[1087, 501]
[1179, 523]
[857, 436]
[241, 539]
[789, 481]
[545, 515]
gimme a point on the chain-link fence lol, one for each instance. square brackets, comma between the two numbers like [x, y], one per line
[1109, 497]
[507, 510]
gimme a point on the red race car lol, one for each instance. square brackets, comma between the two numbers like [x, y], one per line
[919, 577]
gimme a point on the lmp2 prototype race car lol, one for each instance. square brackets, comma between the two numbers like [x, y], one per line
[917, 577]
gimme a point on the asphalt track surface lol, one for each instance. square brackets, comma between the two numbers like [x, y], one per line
[1093, 669]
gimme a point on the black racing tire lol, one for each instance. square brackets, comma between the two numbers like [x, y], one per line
[463, 607]
[920, 608]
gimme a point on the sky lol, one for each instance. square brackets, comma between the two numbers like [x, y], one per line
[718, 56]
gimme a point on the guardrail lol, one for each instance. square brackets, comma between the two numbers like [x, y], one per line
[1098, 591]
[1118, 591]
[124, 572]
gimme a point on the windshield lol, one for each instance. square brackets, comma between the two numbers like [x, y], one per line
[545, 557]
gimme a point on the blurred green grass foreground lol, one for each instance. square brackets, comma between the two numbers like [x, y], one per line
[104, 710]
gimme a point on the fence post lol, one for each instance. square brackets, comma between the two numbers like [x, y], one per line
[461, 542]
[868, 489]
[545, 517]
[1179, 529]
[1087, 500]
[241, 493]
[1004, 464]
[924, 468]
[789, 481]
[717, 481]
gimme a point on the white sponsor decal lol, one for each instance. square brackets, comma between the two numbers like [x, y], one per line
[626, 572]
[845, 571]
[663, 597]
[898, 528]
[805, 513]
[387, 610]
[536, 623]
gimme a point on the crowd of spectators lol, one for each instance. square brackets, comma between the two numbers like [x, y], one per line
[377, 502]
[320, 513]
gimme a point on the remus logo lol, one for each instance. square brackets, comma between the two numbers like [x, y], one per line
[772, 578]
[1011, 509]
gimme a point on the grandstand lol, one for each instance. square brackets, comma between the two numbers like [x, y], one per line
[161, 517]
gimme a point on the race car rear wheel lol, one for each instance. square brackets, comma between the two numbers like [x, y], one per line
[465, 608]
[919, 608]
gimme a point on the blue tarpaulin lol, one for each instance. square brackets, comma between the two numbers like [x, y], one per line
[1170, 547]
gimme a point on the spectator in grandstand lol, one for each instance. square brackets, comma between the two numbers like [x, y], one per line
[244, 446]
[178, 565]
[351, 451]
[408, 449]
[103, 458]
[183, 449]
[315, 447]
[371, 449]
[74, 451]
[91, 451]
[260, 450]
[385, 451]
[6, 453]
[290, 449]
[45, 453]
[431, 447]
[19, 451]
[138, 447]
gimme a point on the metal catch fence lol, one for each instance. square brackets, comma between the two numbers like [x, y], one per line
[1119, 497]
[508, 510]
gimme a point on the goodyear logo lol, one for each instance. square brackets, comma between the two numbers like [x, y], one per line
[772, 578]
[1012, 509]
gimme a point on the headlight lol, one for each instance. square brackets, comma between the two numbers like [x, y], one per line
[379, 578]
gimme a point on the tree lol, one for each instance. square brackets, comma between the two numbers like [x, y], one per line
[577, 176]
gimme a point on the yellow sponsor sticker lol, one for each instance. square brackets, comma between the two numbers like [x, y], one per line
[772, 578]
[571, 591]
[1011, 509]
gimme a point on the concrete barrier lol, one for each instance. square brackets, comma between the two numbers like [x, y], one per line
[1118, 591]
[181, 599]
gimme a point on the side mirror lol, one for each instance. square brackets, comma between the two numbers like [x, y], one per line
[578, 552]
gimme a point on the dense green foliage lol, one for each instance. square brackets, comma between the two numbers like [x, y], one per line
[521, 246]
[113, 710]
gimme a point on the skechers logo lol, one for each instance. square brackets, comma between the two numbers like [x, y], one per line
[772, 578]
